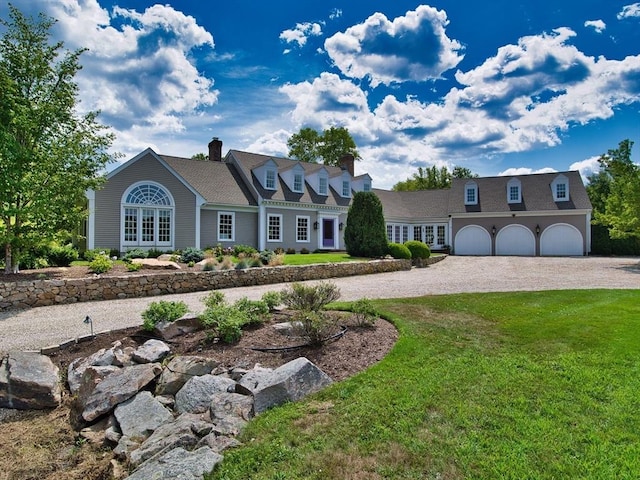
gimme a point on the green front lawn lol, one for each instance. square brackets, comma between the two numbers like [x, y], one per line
[309, 258]
[504, 385]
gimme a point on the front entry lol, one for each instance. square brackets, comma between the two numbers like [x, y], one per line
[328, 234]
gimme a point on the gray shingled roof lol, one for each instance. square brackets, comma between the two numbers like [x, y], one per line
[248, 161]
[217, 182]
[536, 194]
[415, 205]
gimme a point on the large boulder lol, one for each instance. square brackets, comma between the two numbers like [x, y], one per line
[188, 323]
[195, 396]
[29, 381]
[151, 351]
[178, 464]
[288, 383]
[181, 369]
[155, 264]
[121, 385]
[230, 412]
[141, 415]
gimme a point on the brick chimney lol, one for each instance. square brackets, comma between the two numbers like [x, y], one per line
[215, 150]
[347, 163]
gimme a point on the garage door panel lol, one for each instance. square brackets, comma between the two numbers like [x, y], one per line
[562, 240]
[515, 240]
[472, 240]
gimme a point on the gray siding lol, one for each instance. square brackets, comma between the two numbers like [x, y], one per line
[289, 225]
[108, 199]
[246, 228]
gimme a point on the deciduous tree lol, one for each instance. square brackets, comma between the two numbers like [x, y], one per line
[310, 146]
[49, 153]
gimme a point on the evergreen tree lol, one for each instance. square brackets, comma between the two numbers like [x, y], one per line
[365, 234]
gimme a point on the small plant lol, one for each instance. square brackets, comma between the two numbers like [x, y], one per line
[316, 326]
[277, 259]
[364, 313]
[134, 253]
[192, 254]
[191, 264]
[162, 311]
[154, 253]
[101, 264]
[309, 298]
[62, 256]
[291, 251]
[398, 250]
[272, 299]
[304, 251]
[226, 263]
[265, 256]
[214, 299]
[242, 264]
[224, 321]
[256, 310]
[210, 265]
[279, 251]
[255, 261]
[133, 267]
[247, 250]
[90, 255]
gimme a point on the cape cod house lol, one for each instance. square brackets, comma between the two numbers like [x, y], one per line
[167, 203]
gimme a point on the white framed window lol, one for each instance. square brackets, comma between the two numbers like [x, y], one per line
[302, 229]
[297, 183]
[405, 233]
[226, 226]
[428, 235]
[560, 189]
[441, 233]
[270, 179]
[274, 227]
[346, 188]
[514, 191]
[367, 187]
[323, 185]
[471, 193]
[147, 217]
[417, 233]
[389, 232]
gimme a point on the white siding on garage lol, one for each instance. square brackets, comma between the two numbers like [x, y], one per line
[472, 240]
[515, 240]
[561, 239]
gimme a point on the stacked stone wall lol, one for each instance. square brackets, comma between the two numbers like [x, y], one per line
[37, 293]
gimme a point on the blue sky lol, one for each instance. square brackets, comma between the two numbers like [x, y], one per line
[506, 87]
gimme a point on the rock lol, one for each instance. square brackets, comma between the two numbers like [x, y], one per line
[181, 369]
[230, 412]
[178, 464]
[123, 356]
[289, 329]
[155, 264]
[118, 387]
[195, 396]
[151, 351]
[139, 416]
[179, 433]
[77, 376]
[29, 381]
[102, 358]
[287, 383]
[96, 433]
[188, 323]
[218, 443]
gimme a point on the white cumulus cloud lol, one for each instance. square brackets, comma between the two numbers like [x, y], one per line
[627, 11]
[598, 25]
[301, 33]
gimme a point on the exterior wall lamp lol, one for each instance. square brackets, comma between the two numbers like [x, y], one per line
[315, 225]
[340, 226]
[537, 230]
[493, 230]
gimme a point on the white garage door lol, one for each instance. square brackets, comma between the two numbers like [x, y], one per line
[472, 240]
[515, 240]
[561, 239]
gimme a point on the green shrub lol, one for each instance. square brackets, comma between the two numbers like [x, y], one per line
[309, 298]
[62, 256]
[134, 253]
[241, 265]
[418, 249]
[162, 311]
[209, 266]
[291, 251]
[192, 254]
[272, 299]
[154, 253]
[256, 310]
[246, 249]
[304, 251]
[266, 256]
[316, 326]
[90, 255]
[100, 264]
[365, 234]
[214, 299]
[133, 267]
[364, 313]
[225, 322]
[398, 250]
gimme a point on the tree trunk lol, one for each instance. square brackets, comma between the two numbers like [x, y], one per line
[7, 258]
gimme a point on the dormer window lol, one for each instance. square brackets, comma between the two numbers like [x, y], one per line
[514, 191]
[297, 183]
[346, 188]
[323, 185]
[560, 189]
[471, 193]
[366, 187]
[270, 180]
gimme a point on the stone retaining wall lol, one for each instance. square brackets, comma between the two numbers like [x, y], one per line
[37, 293]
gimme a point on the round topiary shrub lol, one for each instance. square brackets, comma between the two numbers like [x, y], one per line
[398, 250]
[418, 249]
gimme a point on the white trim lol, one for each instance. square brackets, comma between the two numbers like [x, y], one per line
[91, 220]
[308, 218]
[471, 185]
[275, 179]
[546, 213]
[514, 182]
[280, 229]
[560, 180]
[262, 227]
[233, 227]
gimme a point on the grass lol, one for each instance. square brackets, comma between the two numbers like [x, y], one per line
[309, 258]
[504, 385]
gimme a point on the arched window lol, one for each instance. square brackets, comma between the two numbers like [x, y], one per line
[147, 216]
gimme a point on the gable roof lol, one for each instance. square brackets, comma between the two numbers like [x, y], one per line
[248, 161]
[217, 182]
[535, 189]
[418, 204]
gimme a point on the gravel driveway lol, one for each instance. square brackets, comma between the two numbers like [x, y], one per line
[39, 327]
